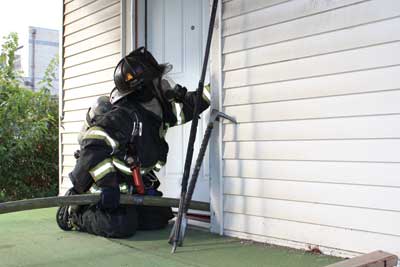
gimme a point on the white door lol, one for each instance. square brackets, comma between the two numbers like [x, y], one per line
[176, 34]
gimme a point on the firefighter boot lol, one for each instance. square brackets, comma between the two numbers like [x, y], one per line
[67, 215]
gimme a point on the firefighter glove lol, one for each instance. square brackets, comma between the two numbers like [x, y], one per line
[109, 198]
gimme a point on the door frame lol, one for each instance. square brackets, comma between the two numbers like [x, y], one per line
[216, 145]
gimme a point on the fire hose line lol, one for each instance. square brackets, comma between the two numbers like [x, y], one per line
[87, 199]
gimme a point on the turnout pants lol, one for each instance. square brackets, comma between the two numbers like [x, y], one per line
[122, 222]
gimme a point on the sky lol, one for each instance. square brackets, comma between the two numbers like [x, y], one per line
[18, 15]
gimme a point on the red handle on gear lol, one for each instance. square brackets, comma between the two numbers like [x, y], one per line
[137, 180]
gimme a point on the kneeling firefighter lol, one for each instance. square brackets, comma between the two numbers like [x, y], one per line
[123, 138]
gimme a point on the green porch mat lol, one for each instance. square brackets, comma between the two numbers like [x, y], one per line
[32, 238]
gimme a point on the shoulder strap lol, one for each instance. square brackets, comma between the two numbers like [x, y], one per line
[131, 111]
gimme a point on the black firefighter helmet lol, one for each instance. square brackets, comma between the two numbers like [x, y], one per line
[134, 70]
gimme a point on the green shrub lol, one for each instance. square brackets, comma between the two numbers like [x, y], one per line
[28, 132]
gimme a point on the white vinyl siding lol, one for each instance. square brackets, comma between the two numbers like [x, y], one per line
[314, 159]
[91, 48]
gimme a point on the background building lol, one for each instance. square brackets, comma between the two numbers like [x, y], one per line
[34, 55]
[18, 63]
[43, 47]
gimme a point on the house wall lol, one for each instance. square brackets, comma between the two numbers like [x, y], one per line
[314, 160]
[91, 47]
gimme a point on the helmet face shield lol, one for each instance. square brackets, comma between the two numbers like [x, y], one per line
[166, 68]
[167, 83]
[171, 90]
